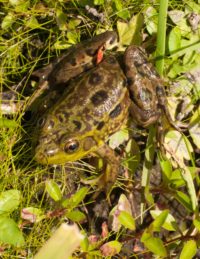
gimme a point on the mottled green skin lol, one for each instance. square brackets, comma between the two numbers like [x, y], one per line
[89, 121]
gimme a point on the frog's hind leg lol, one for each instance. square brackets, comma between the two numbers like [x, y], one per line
[143, 118]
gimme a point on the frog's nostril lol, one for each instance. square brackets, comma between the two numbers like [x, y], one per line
[51, 151]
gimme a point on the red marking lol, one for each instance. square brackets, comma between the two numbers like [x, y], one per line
[100, 54]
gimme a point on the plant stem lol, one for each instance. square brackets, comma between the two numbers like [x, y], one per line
[161, 36]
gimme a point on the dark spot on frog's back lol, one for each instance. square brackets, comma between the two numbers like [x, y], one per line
[116, 111]
[160, 90]
[100, 125]
[99, 97]
[130, 81]
[73, 61]
[95, 78]
[77, 124]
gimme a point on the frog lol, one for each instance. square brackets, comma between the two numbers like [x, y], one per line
[95, 105]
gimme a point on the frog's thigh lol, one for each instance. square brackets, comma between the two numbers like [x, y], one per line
[112, 165]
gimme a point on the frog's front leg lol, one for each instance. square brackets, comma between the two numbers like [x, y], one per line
[111, 170]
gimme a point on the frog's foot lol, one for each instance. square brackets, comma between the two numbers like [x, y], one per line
[104, 182]
[107, 179]
[41, 89]
[178, 125]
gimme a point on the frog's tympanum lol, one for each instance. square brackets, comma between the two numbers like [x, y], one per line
[97, 103]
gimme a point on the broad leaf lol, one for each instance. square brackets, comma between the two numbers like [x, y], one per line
[53, 190]
[126, 220]
[9, 201]
[10, 233]
[154, 244]
[111, 248]
[189, 250]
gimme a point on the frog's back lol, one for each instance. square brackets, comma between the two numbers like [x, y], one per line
[81, 57]
[93, 100]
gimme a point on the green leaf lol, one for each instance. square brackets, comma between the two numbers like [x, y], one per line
[191, 189]
[9, 201]
[166, 166]
[194, 127]
[126, 220]
[196, 223]
[8, 123]
[192, 6]
[61, 20]
[179, 144]
[10, 233]
[118, 138]
[184, 200]
[32, 23]
[130, 32]
[121, 12]
[76, 216]
[16, 2]
[133, 156]
[154, 244]
[111, 248]
[32, 214]
[179, 18]
[169, 223]
[151, 20]
[98, 2]
[8, 21]
[72, 37]
[176, 16]
[174, 40]
[62, 44]
[189, 250]
[84, 243]
[75, 199]
[22, 7]
[159, 221]
[186, 49]
[176, 179]
[53, 190]
[73, 23]
[147, 165]
[122, 205]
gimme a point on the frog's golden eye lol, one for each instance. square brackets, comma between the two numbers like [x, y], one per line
[71, 146]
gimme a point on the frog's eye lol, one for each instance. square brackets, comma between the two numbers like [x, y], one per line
[41, 122]
[71, 146]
